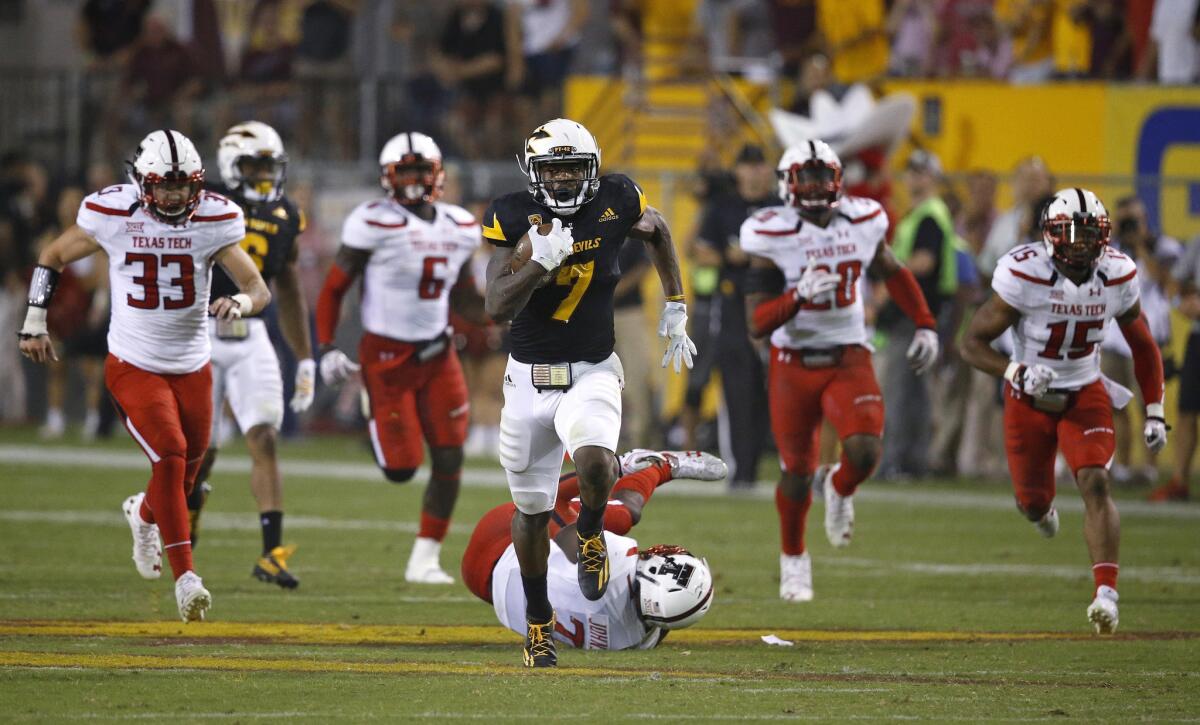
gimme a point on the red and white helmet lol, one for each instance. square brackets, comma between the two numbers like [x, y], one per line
[810, 176]
[674, 588]
[410, 169]
[167, 158]
[1075, 227]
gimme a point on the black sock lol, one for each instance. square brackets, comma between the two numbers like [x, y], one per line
[590, 520]
[272, 529]
[537, 602]
[195, 499]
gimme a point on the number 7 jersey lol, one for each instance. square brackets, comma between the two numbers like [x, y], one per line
[1061, 323]
[159, 275]
[846, 247]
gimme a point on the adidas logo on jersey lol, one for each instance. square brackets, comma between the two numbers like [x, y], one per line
[608, 215]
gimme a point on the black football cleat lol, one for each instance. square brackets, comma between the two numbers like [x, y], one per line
[593, 565]
[539, 648]
[272, 568]
[195, 503]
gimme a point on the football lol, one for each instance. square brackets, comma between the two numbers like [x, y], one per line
[524, 251]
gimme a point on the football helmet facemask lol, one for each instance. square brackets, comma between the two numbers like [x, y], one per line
[674, 588]
[810, 177]
[1075, 228]
[169, 176]
[562, 161]
[411, 169]
[252, 161]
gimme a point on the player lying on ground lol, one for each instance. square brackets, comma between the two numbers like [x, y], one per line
[1058, 297]
[650, 592]
[245, 368]
[804, 289]
[413, 252]
[162, 234]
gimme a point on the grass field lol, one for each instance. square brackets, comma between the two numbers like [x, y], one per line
[948, 606]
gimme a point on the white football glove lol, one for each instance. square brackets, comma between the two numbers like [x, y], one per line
[550, 250]
[673, 326]
[306, 385]
[815, 282]
[1032, 380]
[1155, 430]
[336, 367]
[923, 351]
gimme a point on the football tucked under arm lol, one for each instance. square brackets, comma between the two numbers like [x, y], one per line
[523, 252]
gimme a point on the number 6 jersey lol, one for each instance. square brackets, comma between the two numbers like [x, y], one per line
[159, 275]
[845, 247]
[1062, 324]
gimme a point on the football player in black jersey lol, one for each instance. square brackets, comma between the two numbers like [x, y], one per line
[245, 368]
[562, 386]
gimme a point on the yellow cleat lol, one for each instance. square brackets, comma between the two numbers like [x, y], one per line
[272, 567]
[539, 645]
[593, 565]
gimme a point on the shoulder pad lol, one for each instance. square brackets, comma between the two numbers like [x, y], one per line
[379, 214]
[859, 209]
[116, 200]
[1028, 262]
[216, 207]
[460, 216]
[1115, 268]
[773, 221]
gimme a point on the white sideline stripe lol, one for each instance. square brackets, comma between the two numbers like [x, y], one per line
[244, 522]
[154, 457]
[898, 494]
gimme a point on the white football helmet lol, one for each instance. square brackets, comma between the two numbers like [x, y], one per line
[1075, 227]
[810, 176]
[559, 147]
[674, 588]
[253, 143]
[411, 169]
[169, 176]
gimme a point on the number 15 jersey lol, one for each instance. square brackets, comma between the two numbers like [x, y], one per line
[159, 275]
[846, 247]
[1061, 323]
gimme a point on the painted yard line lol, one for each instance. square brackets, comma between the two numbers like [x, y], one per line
[494, 478]
[1150, 574]
[214, 521]
[294, 633]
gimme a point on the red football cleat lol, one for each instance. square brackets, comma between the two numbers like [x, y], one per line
[1172, 491]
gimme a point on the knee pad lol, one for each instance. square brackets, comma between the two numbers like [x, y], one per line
[532, 494]
[514, 446]
[399, 475]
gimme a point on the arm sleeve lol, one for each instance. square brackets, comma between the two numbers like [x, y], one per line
[907, 295]
[329, 303]
[772, 313]
[1147, 360]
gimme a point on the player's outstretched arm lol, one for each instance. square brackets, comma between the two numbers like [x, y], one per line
[293, 320]
[989, 322]
[1148, 369]
[507, 291]
[71, 245]
[254, 294]
[347, 266]
[653, 230]
[903, 288]
[465, 298]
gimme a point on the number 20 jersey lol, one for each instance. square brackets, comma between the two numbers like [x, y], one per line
[1062, 324]
[846, 247]
[159, 275]
[413, 265]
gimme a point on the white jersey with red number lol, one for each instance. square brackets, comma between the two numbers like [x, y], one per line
[413, 265]
[611, 622]
[1062, 324]
[159, 275]
[846, 247]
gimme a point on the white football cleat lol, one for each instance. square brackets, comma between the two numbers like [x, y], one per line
[696, 465]
[1102, 612]
[147, 549]
[1048, 525]
[839, 510]
[193, 599]
[795, 578]
[423, 566]
[638, 459]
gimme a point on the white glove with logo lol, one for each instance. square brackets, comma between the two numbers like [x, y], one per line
[1155, 430]
[1032, 380]
[550, 250]
[923, 351]
[815, 282]
[673, 326]
[306, 385]
[336, 367]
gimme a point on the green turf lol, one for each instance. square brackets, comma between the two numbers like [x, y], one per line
[930, 557]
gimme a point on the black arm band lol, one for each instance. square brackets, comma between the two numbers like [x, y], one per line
[42, 286]
[767, 280]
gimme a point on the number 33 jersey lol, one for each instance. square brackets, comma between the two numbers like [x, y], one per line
[159, 275]
[413, 265]
[1062, 324]
[845, 247]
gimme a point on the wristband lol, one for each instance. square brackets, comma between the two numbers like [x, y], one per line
[1155, 411]
[42, 286]
[1015, 373]
[675, 298]
[244, 303]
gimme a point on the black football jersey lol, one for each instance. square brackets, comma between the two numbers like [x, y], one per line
[570, 319]
[271, 231]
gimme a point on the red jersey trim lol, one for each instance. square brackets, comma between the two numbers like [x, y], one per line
[866, 217]
[385, 225]
[1120, 280]
[108, 210]
[1031, 278]
[777, 232]
[217, 218]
